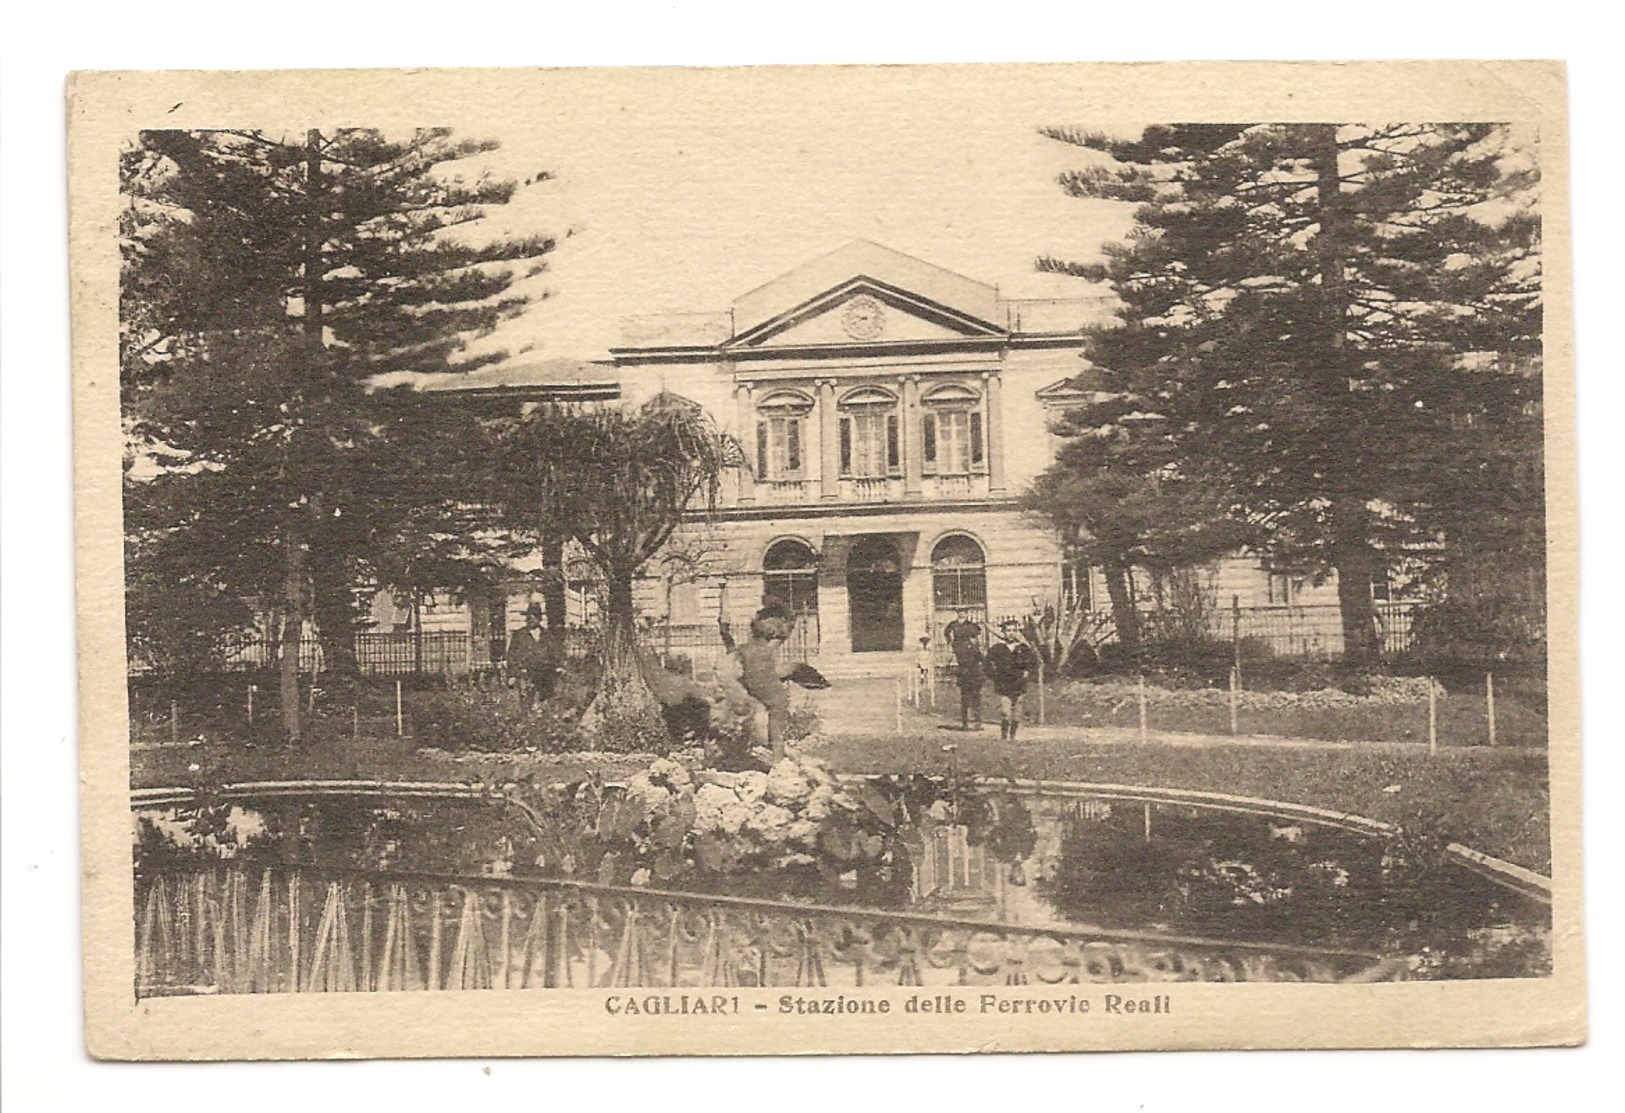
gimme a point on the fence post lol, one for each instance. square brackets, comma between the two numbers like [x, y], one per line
[355, 724]
[1433, 716]
[1143, 736]
[400, 720]
[1040, 690]
[1235, 636]
[251, 688]
[174, 721]
[897, 692]
[1234, 675]
[1489, 702]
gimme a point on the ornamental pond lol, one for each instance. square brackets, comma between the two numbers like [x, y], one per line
[675, 880]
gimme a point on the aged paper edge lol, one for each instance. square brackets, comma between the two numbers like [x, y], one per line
[106, 108]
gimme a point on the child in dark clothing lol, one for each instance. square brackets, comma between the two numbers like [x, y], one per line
[1011, 663]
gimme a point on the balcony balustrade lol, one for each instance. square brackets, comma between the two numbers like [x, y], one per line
[787, 491]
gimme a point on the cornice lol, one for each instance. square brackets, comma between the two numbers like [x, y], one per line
[821, 510]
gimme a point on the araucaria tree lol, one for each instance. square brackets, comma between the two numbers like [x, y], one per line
[1320, 316]
[618, 480]
[1117, 501]
[267, 281]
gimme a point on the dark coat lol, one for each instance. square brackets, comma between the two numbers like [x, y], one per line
[536, 656]
[968, 664]
[1010, 667]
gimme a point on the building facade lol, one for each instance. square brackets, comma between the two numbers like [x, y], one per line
[892, 412]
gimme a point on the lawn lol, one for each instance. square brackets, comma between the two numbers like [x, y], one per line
[1462, 718]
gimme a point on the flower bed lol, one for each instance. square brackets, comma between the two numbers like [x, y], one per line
[1382, 691]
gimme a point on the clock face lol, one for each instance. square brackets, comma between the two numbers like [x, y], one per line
[864, 318]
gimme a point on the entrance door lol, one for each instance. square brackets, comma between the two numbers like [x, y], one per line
[874, 590]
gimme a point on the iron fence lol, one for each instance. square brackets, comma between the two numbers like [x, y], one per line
[232, 930]
[1306, 631]
[1312, 631]
[457, 653]
[703, 647]
[377, 654]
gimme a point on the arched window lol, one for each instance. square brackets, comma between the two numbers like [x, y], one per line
[951, 429]
[790, 576]
[781, 435]
[958, 574]
[869, 436]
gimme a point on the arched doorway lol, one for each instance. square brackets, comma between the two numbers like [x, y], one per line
[874, 591]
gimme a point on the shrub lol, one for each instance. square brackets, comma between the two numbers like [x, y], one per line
[487, 713]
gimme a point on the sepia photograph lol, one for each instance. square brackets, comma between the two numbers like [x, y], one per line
[1011, 557]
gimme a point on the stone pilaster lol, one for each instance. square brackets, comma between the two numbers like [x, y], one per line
[913, 446]
[829, 442]
[994, 395]
[747, 438]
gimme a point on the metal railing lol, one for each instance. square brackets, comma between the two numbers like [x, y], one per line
[234, 930]
[1314, 630]
[377, 654]
[701, 643]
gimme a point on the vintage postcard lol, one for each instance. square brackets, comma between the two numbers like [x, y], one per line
[826, 560]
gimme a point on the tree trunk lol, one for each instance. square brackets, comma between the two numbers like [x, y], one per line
[1355, 561]
[293, 610]
[417, 632]
[553, 581]
[1331, 250]
[624, 714]
[1124, 615]
[334, 609]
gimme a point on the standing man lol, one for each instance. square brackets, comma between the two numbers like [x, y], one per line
[536, 654]
[1011, 664]
[968, 674]
[963, 629]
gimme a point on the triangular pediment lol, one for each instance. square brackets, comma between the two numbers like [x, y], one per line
[841, 298]
[1079, 390]
[864, 310]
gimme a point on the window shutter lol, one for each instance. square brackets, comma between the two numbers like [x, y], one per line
[892, 455]
[975, 437]
[928, 438]
[792, 449]
[846, 446]
[761, 450]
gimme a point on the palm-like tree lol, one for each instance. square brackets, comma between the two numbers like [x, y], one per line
[617, 480]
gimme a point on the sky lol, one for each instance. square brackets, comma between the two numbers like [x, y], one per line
[682, 190]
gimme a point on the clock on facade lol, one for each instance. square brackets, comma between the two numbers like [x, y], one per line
[864, 318]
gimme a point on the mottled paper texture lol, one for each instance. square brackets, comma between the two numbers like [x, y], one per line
[697, 219]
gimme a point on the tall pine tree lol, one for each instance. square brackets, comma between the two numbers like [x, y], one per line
[1312, 309]
[266, 280]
